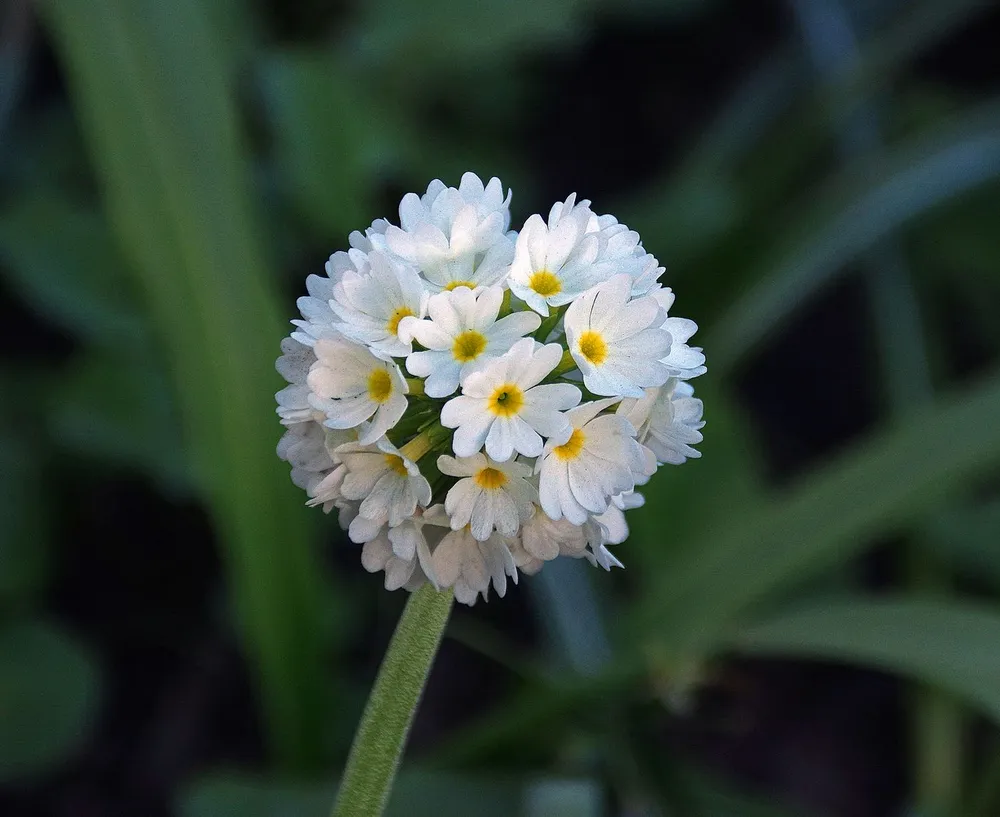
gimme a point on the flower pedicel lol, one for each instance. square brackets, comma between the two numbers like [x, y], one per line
[474, 400]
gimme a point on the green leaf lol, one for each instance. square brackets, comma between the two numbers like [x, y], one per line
[950, 644]
[741, 557]
[773, 128]
[122, 409]
[873, 199]
[967, 539]
[48, 697]
[328, 138]
[416, 794]
[62, 260]
[389, 35]
[149, 84]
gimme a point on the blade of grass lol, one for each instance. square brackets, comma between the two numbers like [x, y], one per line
[884, 485]
[947, 643]
[148, 82]
[828, 32]
[869, 202]
[699, 201]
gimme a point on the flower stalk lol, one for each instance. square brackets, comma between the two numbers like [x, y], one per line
[381, 735]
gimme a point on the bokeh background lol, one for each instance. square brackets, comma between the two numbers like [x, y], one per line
[809, 621]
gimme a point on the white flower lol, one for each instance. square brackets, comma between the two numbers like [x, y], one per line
[462, 331]
[303, 446]
[351, 386]
[319, 320]
[293, 400]
[389, 486]
[372, 302]
[543, 539]
[668, 421]
[404, 552]
[327, 493]
[472, 270]
[467, 565]
[600, 458]
[600, 556]
[448, 225]
[489, 494]
[683, 361]
[608, 528]
[377, 554]
[555, 262]
[617, 342]
[503, 407]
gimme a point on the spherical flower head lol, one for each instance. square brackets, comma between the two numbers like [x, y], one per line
[355, 389]
[489, 495]
[482, 461]
[616, 340]
[503, 408]
[461, 332]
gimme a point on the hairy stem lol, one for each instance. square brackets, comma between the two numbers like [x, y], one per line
[381, 735]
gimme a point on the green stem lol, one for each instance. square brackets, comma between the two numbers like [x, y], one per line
[381, 736]
[541, 334]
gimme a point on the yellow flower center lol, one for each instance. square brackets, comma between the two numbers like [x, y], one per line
[507, 400]
[456, 284]
[571, 449]
[379, 385]
[468, 345]
[545, 283]
[491, 479]
[396, 464]
[593, 347]
[393, 325]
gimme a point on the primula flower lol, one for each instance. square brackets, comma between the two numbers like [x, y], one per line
[503, 407]
[668, 421]
[387, 484]
[598, 459]
[461, 332]
[616, 340]
[350, 386]
[547, 379]
[555, 262]
[372, 304]
[489, 495]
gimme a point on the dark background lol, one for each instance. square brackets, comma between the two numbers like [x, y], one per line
[808, 620]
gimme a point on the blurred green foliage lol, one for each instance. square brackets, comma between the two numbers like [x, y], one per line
[194, 121]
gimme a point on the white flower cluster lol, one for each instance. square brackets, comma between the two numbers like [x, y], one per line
[475, 400]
